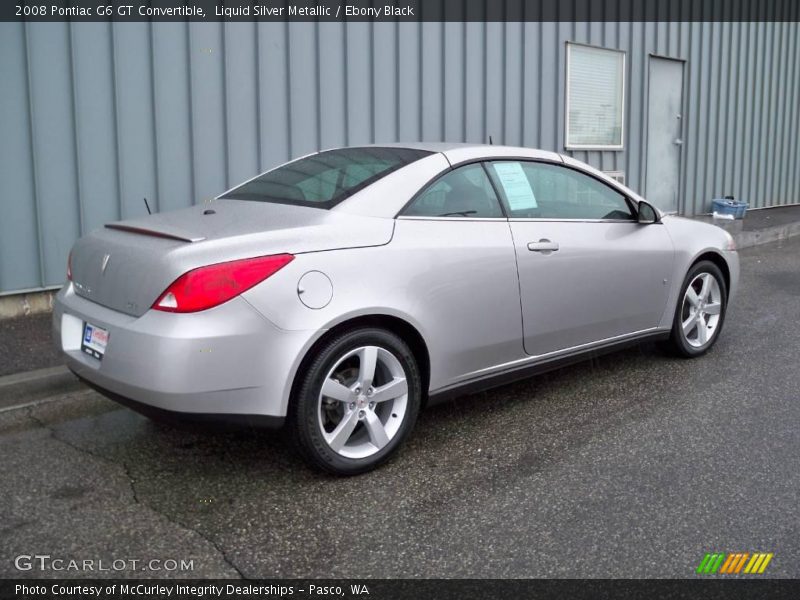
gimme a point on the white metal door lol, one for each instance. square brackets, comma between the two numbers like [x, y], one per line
[664, 127]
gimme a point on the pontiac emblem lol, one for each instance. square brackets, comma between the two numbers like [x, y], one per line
[104, 264]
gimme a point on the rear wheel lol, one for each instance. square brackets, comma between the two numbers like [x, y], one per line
[701, 310]
[357, 401]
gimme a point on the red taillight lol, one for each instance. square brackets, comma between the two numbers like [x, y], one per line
[69, 267]
[210, 286]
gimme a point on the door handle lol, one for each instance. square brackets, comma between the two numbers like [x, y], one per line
[678, 142]
[543, 245]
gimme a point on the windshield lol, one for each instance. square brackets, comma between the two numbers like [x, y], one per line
[326, 178]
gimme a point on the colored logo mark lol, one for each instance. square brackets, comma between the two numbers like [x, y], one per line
[733, 563]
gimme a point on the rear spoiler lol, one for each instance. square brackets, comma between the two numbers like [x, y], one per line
[170, 235]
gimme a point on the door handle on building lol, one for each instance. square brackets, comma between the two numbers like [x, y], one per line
[545, 246]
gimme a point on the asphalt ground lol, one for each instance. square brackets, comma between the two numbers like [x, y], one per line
[26, 344]
[634, 464]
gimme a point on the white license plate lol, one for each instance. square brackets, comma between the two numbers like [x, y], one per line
[95, 340]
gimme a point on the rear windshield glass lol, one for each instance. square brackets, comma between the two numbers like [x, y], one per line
[327, 178]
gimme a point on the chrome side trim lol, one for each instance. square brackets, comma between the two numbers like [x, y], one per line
[551, 220]
[411, 218]
[519, 219]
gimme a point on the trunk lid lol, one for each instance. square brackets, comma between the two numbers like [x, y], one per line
[126, 265]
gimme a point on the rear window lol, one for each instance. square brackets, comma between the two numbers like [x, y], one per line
[326, 178]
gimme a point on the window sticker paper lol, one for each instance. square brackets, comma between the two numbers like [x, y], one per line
[515, 185]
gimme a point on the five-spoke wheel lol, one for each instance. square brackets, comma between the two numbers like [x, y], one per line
[358, 399]
[700, 311]
[702, 306]
[363, 401]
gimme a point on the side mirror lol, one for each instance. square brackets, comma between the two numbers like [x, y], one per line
[647, 214]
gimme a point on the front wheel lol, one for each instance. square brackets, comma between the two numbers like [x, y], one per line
[357, 401]
[701, 310]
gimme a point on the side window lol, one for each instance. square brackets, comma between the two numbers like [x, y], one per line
[542, 190]
[462, 193]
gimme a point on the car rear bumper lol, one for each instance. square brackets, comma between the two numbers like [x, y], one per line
[161, 414]
[229, 360]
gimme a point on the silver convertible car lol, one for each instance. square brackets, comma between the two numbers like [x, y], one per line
[345, 290]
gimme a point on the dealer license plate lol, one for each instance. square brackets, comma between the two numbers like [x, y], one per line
[95, 340]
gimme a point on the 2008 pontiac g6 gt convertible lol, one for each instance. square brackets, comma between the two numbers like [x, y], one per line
[344, 290]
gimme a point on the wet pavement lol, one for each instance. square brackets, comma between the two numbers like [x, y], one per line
[25, 344]
[631, 465]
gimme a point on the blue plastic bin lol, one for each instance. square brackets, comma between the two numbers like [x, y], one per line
[729, 206]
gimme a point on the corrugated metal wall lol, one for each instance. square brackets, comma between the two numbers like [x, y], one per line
[96, 116]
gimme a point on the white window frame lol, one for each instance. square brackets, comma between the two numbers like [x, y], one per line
[567, 144]
[618, 176]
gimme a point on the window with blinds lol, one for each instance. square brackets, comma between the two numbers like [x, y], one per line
[595, 97]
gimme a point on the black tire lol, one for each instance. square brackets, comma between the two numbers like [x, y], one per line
[304, 419]
[678, 341]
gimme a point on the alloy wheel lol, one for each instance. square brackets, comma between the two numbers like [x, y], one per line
[362, 402]
[701, 310]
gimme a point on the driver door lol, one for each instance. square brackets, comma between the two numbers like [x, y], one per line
[588, 271]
